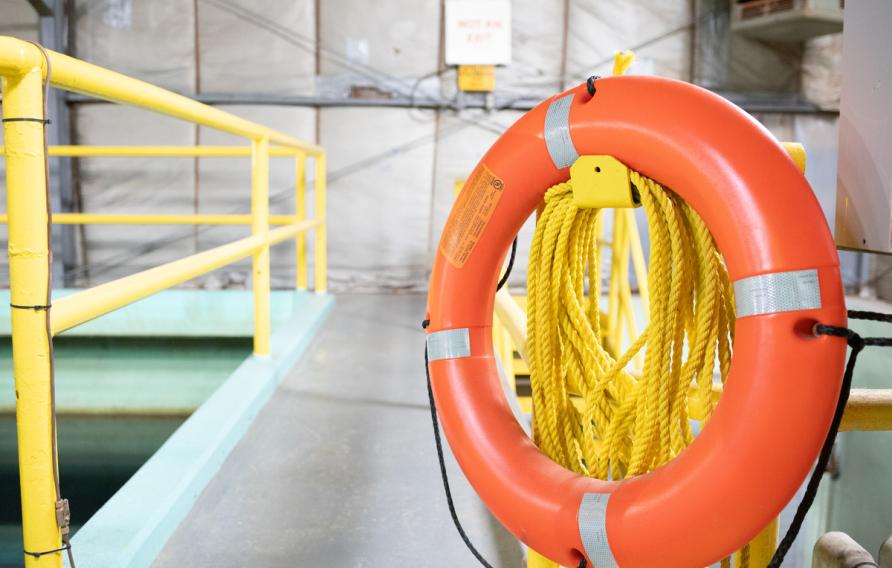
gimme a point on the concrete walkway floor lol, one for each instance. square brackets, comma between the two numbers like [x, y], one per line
[339, 468]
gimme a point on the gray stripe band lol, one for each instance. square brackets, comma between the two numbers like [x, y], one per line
[557, 133]
[448, 344]
[593, 529]
[777, 292]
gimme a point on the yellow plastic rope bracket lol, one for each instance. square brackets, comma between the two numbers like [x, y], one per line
[797, 154]
[601, 182]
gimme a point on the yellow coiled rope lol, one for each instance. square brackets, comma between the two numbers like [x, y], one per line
[591, 412]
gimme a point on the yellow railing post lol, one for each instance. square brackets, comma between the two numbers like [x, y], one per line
[319, 214]
[300, 213]
[761, 548]
[260, 227]
[29, 265]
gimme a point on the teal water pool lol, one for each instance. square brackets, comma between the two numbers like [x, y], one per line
[98, 454]
[119, 400]
[126, 386]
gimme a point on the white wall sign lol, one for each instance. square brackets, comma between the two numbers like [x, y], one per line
[478, 32]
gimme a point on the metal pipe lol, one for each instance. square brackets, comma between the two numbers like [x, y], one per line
[320, 235]
[769, 104]
[29, 273]
[839, 550]
[514, 319]
[868, 410]
[163, 151]
[72, 74]
[151, 219]
[762, 547]
[260, 228]
[300, 212]
[91, 303]
[885, 558]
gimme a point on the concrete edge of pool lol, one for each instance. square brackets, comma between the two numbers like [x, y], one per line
[132, 527]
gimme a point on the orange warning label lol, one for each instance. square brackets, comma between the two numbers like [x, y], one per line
[471, 213]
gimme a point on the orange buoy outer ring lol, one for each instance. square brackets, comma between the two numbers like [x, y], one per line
[783, 384]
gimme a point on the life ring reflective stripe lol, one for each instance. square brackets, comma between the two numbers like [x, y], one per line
[783, 385]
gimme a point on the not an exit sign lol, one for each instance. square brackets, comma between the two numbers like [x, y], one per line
[478, 32]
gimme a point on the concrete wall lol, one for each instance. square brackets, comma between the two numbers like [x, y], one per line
[391, 171]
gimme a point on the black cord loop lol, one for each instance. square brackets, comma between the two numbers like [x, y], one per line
[35, 307]
[857, 344]
[45, 552]
[504, 279]
[26, 119]
[590, 84]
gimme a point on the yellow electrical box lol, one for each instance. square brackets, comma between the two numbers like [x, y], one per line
[601, 182]
[477, 78]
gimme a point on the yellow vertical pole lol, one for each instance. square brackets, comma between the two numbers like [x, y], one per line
[28, 245]
[300, 211]
[762, 547]
[319, 214]
[508, 355]
[260, 227]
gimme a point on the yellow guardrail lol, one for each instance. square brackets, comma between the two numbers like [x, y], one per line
[24, 67]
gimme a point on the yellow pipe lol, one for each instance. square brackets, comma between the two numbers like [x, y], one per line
[868, 410]
[514, 320]
[319, 214]
[762, 547]
[140, 219]
[163, 151]
[260, 228]
[91, 303]
[81, 77]
[300, 213]
[29, 274]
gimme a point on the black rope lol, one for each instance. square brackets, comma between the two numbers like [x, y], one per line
[590, 84]
[439, 442]
[857, 343]
[504, 279]
[35, 307]
[445, 476]
[53, 551]
[40, 120]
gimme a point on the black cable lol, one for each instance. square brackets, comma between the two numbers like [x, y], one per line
[504, 279]
[442, 460]
[857, 343]
[439, 442]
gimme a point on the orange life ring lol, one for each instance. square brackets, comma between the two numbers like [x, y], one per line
[784, 382]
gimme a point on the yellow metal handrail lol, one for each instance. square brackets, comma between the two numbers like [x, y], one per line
[23, 68]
